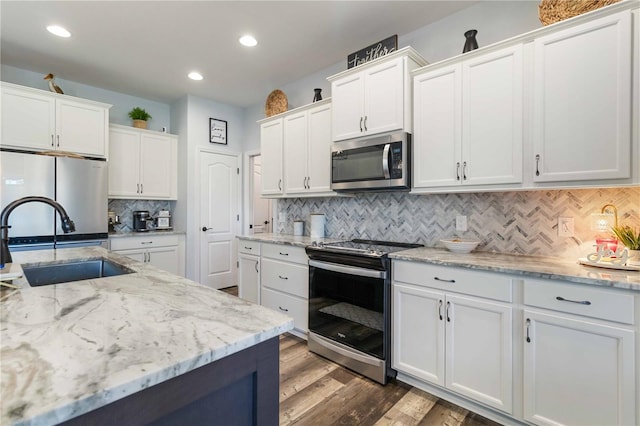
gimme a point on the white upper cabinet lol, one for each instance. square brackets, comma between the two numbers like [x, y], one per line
[271, 140]
[142, 164]
[582, 102]
[296, 150]
[468, 121]
[374, 97]
[307, 151]
[38, 120]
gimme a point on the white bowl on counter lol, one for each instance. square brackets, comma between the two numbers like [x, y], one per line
[460, 245]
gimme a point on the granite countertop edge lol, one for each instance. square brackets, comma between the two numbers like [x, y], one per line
[531, 266]
[96, 326]
[155, 232]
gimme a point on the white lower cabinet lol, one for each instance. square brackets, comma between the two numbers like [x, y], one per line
[249, 271]
[165, 252]
[276, 276]
[578, 370]
[459, 342]
[284, 283]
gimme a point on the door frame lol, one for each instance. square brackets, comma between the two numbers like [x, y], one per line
[195, 243]
[247, 195]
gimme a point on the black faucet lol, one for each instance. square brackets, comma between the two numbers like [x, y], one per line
[5, 255]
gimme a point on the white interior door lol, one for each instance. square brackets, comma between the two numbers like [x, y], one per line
[219, 218]
[261, 207]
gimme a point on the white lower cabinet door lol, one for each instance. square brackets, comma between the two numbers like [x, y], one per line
[418, 332]
[479, 361]
[249, 277]
[165, 258]
[577, 372]
[138, 255]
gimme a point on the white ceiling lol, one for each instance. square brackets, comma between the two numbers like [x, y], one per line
[146, 48]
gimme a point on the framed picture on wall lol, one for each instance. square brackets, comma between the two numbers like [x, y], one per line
[217, 131]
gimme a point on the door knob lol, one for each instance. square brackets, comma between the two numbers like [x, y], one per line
[266, 222]
[205, 229]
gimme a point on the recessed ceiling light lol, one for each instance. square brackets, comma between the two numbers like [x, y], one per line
[59, 31]
[195, 76]
[248, 41]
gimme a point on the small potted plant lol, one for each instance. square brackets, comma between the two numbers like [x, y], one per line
[139, 117]
[630, 237]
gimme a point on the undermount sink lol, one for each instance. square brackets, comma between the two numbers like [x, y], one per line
[75, 270]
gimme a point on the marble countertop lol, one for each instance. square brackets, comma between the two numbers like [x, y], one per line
[70, 348]
[286, 239]
[532, 266]
[155, 232]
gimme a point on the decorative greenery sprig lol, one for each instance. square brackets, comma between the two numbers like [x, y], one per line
[628, 236]
[139, 114]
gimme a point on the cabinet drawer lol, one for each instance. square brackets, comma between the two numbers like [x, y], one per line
[288, 277]
[249, 247]
[145, 241]
[286, 253]
[467, 281]
[293, 306]
[580, 300]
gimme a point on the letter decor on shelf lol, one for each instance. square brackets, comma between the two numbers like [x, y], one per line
[372, 52]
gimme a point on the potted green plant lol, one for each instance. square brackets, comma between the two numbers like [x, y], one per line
[139, 117]
[630, 237]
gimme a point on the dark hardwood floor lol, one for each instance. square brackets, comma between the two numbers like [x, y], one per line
[316, 391]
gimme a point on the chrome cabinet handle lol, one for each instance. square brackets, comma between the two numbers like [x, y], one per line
[146, 242]
[443, 280]
[283, 309]
[283, 254]
[361, 124]
[448, 306]
[365, 123]
[248, 248]
[440, 309]
[58, 138]
[580, 302]
[257, 265]
[51, 140]
[458, 170]
[283, 278]
[537, 164]
[528, 322]
[280, 184]
[137, 188]
[464, 170]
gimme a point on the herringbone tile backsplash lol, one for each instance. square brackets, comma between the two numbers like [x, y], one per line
[522, 222]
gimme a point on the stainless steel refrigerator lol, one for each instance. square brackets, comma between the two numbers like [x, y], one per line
[79, 185]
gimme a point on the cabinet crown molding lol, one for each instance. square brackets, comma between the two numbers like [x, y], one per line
[42, 92]
[408, 52]
[295, 110]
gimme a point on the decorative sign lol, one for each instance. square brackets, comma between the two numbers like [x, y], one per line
[217, 131]
[372, 52]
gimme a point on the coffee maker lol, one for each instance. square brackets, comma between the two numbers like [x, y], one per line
[140, 220]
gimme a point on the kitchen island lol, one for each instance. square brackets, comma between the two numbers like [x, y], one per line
[147, 347]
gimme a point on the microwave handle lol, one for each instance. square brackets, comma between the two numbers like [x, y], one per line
[385, 161]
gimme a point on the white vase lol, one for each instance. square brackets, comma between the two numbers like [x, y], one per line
[634, 258]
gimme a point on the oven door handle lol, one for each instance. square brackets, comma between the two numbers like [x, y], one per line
[351, 270]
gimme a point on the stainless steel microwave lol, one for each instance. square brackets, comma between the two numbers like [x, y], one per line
[378, 163]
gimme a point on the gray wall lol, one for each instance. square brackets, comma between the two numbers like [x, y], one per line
[494, 20]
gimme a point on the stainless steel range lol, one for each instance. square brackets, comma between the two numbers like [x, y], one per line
[350, 304]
